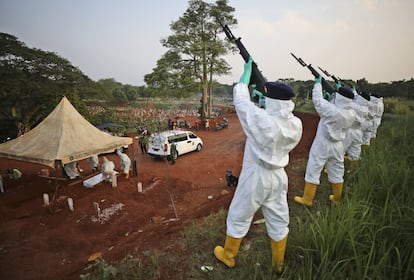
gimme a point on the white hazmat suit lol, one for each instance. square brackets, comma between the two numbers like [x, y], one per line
[93, 162]
[125, 162]
[108, 167]
[71, 169]
[354, 136]
[376, 106]
[271, 134]
[327, 148]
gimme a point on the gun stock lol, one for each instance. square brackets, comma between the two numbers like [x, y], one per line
[325, 85]
[257, 76]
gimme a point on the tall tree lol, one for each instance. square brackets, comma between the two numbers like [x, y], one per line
[33, 82]
[195, 52]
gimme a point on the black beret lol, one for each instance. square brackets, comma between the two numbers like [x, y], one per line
[366, 96]
[346, 92]
[277, 90]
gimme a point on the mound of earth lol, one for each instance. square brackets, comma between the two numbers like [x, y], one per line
[39, 242]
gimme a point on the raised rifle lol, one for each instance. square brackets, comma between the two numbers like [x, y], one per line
[334, 78]
[325, 85]
[256, 78]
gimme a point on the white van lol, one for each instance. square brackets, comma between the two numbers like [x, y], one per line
[185, 141]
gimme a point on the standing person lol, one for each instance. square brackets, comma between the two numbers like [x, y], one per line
[354, 136]
[377, 108]
[108, 167]
[143, 143]
[125, 163]
[207, 124]
[336, 117]
[271, 134]
[173, 152]
[93, 162]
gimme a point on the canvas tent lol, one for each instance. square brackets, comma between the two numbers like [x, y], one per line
[63, 136]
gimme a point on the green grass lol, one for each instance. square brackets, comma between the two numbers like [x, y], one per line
[369, 236]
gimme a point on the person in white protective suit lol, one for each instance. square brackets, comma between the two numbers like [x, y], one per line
[377, 108]
[93, 162]
[354, 136]
[336, 117]
[125, 162]
[107, 167]
[271, 133]
[368, 128]
[72, 170]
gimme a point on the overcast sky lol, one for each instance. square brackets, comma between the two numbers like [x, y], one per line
[120, 39]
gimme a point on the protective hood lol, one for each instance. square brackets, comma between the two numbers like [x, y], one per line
[343, 102]
[277, 107]
[361, 101]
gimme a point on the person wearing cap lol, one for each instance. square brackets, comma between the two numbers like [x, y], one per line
[376, 106]
[271, 133]
[354, 135]
[336, 117]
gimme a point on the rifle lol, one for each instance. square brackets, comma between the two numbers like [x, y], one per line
[325, 85]
[334, 78]
[256, 77]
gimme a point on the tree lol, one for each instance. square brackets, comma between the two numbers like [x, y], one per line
[194, 55]
[33, 82]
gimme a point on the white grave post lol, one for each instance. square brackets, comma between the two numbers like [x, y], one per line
[97, 209]
[114, 182]
[45, 199]
[70, 204]
[139, 186]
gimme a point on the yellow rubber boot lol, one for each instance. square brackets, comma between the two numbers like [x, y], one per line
[308, 195]
[337, 193]
[227, 254]
[278, 254]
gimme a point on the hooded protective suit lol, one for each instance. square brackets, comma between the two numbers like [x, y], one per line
[71, 169]
[327, 147]
[353, 137]
[108, 167]
[271, 134]
[125, 162]
[376, 106]
[93, 162]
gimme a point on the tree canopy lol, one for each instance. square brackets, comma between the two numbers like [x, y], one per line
[33, 82]
[194, 55]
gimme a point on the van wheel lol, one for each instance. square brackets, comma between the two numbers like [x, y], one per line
[199, 147]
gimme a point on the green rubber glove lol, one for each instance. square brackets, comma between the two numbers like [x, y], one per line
[318, 80]
[245, 78]
[338, 85]
[327, 96]
[255, 93]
